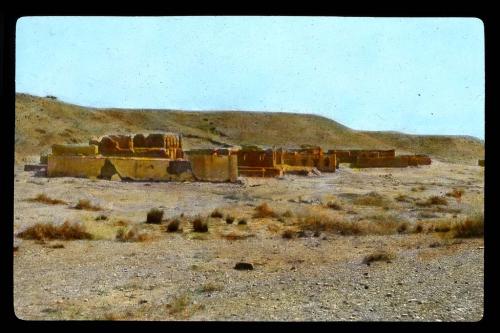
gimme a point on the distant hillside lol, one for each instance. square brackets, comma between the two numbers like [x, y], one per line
[41, 122]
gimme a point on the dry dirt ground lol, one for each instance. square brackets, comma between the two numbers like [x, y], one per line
[190, 276]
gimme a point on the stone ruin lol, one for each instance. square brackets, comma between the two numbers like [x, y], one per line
[160, 157]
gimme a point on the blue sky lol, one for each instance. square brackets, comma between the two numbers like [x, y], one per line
[415, 75]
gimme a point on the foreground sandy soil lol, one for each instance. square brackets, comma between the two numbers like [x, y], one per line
[190, 276]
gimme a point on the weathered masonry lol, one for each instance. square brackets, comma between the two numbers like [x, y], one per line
[256, 162]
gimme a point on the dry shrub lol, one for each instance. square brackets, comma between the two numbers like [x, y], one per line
[288, 234]
[57, 246]
[380, 255]
[132, 235]
[431, 201]
[472, 226]
[121, 223]
[199, 224]
[372, 199]
[173, 225]
[85, 204]
[242, 221]
[179, 304]
[211, 287]
[287, 213]
[230, 219]
[455, 193]
[263, 211]
[154, 216]
[236, 236]
[418, 188]
[403, 198]
[43, 198]
[66, 231]
[403, 227]
[217, 214]
[333, 205]
[101, 218]
[326, 223]
[418, 228]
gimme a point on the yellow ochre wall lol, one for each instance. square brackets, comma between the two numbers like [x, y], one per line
[216, 168]
[65, 150]
[126, 167]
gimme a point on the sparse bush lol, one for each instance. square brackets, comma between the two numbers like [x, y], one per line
[236, 236]
[334, 205]
[402, 227]
[211, 287]
[217, 214]
[455, 193]
[263, 211]
[288, 213]
[173, 225]
[86, 205]
[288, 234]
[229, 219]
[45, 231]
[154, 216]
[470, 227]
[121, 223]
[372, 199]
[132, 235]
[57, 246]
[199, 225]
[242, 221]
[325, 223]
[434, 200]
[418, 228]
[379, 255]
[43, 198]
[403, 198]
[101, 218]
[418, 188]
[179, 304]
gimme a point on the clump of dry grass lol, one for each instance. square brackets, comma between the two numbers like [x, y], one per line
[85, 204]
[418, 228]
[173, 225]
[472, 226]
[199, 224]
[431, 201]
[57, 246]
[242, 221]
[211, 287]
[380, 255]
[45, 231]
[419, 188]
[263, 211]
[236, 236]
[101, 218]
[132, 235]
[121, 223]
[456, 193]
[43, 198]
[217, 214]
[288, 234]
[403, 198]
[372, 199]
[230, 219]
[154, 216]
[316, 222]
[179, 304]
[333, 205]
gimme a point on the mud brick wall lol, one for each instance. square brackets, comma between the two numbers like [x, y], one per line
[209, 166]
[257, 158]
[260, 171]
[382, 162]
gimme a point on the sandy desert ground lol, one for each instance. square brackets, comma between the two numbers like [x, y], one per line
[317, 274]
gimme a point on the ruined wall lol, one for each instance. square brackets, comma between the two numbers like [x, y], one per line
[132, 168]
[350, 155]
[260, 171]
[65, 150]
[257, 158]
[207, 165]
[381, 162]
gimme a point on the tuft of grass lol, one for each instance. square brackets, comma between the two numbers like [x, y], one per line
[210, 287]
[179, 304]
[472, 226]
[403, 227]
[264, 211]
[419, 188]
[121, 223]
[242, 221]
[101, 218]
[236, 236]
[316, 222]
[403, 198]
[57, 246]
[217, 214]
[333, 205]
[288, 234]
[418, 228]
[199, 224]
[132, 235]
[43, 198]
[372, 199]
[380, 255]
[431, 201]
[455, 193]
[85, 204]
[173, 225]
[154, 216]
[230, 219]
[288, 213]
[45, 231]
